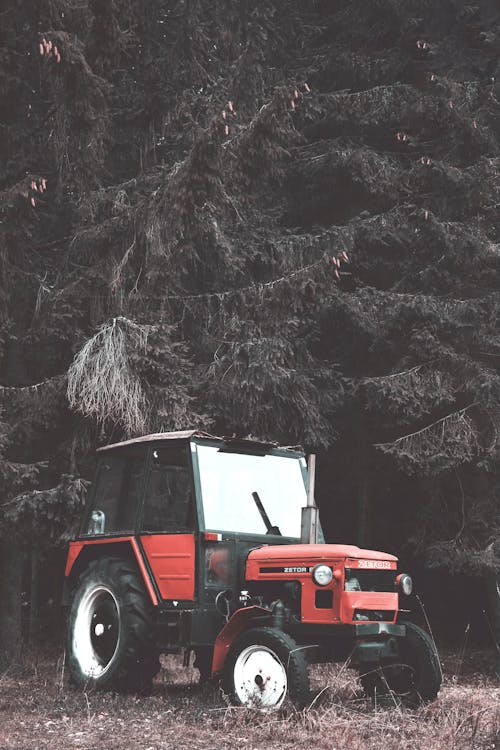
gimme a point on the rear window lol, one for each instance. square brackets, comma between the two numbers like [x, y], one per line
[118, 491]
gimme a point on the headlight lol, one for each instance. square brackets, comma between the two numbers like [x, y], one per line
[322, 575]
[404, 584]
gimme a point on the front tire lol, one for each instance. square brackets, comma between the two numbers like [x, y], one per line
[263, 667]
[415, 677]
[110, 628]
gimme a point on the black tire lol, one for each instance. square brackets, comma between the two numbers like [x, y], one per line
[415, 677]
[280, 670]
[110, 630]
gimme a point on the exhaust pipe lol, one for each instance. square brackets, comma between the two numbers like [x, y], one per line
[310, 520]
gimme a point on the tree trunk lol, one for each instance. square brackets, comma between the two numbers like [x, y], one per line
[493, 594]
[363, 530]
[34, 596]
[10, 602]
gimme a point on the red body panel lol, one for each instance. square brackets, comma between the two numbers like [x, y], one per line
[238, 622]
[75, 549]
[309, 611]
[380, 600]
[172, 560]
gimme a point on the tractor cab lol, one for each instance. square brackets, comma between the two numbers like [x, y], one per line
[194, 505]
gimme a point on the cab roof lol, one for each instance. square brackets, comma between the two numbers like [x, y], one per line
[187, 435]
[179, 435]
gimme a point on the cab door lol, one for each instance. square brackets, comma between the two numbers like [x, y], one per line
[168, 523]
[171, 558]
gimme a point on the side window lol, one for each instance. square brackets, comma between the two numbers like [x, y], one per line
[118, 492]
[169, 502]
[131, 493]
[218, 565]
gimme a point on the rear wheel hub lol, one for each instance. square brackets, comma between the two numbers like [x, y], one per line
[97, 630]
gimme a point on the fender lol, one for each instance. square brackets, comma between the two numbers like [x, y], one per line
[238, 622]
[76, 549]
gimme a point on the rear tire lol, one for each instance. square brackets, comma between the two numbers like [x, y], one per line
[110, 628]
[263, 668]
[414, 678]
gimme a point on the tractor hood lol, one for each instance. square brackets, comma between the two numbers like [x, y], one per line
[297, 555]
[319, 552]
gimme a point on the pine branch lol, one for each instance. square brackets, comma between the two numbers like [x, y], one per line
[442, 421]
[402, 373]
[35, 386]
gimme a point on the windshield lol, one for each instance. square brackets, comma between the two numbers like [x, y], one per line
[230, 481]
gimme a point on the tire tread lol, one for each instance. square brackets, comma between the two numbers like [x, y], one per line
[285, 648]
[428, 668]
[136, 662]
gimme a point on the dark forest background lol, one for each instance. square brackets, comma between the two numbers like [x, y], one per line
[278, 219]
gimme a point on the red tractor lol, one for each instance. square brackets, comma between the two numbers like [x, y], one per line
[209, 545]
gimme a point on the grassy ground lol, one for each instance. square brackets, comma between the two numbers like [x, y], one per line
[39, 710]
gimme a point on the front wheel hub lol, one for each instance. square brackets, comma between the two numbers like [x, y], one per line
[260, 678]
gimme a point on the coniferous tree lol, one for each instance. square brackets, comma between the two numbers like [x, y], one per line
[271, 219]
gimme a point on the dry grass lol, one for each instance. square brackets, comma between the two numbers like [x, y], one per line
[39, 710]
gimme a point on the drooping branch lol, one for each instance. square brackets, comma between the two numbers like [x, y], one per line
[101, 380]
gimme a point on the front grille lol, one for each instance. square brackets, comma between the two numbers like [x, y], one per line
[369, 580]
[373, 615]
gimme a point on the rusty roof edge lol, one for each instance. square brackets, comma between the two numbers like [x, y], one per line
[188, 434]
[176, 435]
